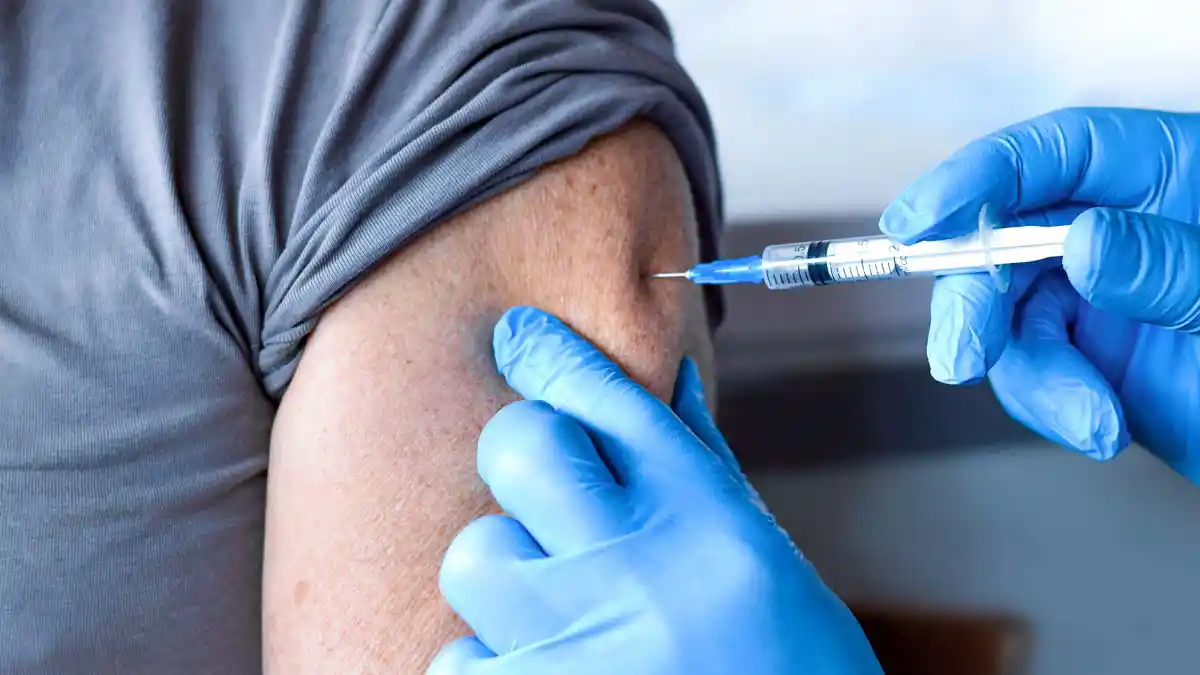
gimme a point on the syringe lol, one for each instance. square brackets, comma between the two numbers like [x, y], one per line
[854, 259]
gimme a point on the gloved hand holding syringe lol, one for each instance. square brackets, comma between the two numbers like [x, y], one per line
[1093, 352]
[854, 259]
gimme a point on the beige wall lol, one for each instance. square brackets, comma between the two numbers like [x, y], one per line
[835, 106]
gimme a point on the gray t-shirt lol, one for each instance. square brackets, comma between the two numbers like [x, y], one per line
[184, 186]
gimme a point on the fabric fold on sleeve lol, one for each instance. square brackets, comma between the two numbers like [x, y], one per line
[452, 102]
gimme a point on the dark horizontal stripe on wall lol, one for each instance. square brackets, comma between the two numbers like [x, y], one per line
[808, 419]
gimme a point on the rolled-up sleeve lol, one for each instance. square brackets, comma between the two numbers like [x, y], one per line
[440, 104]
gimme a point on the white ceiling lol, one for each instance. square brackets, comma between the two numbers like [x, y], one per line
[833, 107]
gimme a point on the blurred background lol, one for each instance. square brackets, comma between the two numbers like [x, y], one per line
[946, 525]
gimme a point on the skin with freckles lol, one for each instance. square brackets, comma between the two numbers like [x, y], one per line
[373, 450]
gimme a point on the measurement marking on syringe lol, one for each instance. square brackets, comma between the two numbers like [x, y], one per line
[818, 263]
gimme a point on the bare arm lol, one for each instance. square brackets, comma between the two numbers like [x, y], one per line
[373, 451]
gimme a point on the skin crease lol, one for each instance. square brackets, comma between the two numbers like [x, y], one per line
[373, 450]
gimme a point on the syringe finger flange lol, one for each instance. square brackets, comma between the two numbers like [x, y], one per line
[989, 220]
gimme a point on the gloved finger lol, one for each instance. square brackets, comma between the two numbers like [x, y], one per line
[1143, 267]
[639, 436]
[1098, 156]
[593, 646]
[544, 470]
[481, 582]
[691, 405]
[970, 323]
[461, 657]
[1045, 383]
[971, 320]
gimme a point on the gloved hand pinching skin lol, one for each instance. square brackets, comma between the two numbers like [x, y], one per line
[632, 544]
[1101, 348]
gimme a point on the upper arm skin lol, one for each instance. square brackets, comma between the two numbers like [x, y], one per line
[373, 451]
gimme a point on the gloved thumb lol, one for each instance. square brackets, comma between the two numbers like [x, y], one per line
[1140, 266]
[461, 657]
[691, 406]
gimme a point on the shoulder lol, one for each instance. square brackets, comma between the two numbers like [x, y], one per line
[579, 239]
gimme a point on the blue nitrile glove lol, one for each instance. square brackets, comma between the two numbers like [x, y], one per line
[1102, 345]
[633, 544]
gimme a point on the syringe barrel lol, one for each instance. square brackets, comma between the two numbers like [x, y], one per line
[834, 261]
[842, 261]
